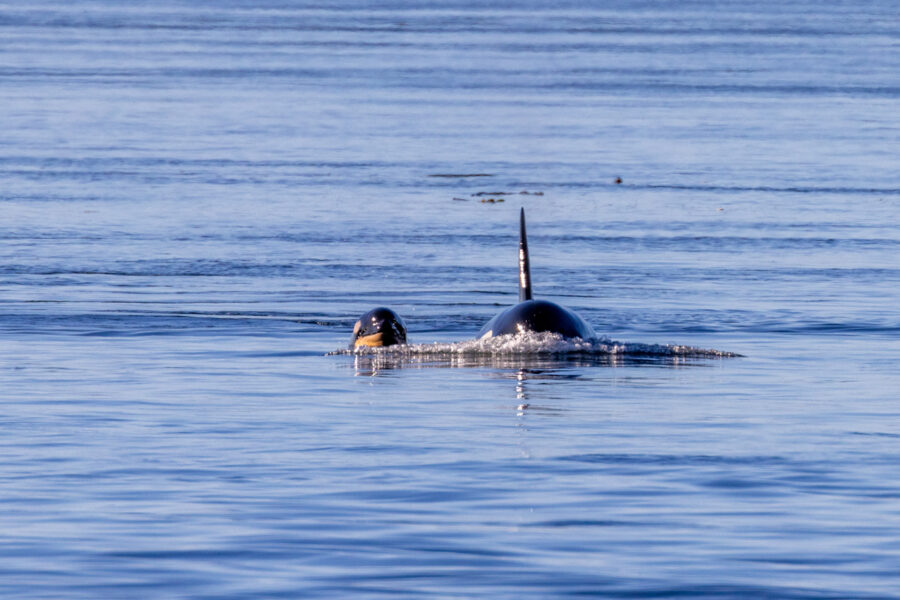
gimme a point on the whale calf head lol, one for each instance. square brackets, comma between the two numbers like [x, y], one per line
[378, 327]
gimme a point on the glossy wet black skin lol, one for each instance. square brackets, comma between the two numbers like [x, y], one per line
[537, 315]
[377, 321]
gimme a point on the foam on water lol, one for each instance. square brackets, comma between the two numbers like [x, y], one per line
[537, 344]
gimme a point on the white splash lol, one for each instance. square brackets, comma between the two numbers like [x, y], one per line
[537, 344]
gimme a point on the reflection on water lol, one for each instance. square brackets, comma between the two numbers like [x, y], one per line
[536, 366]
[523, 392]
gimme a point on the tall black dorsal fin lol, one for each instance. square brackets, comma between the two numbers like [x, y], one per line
[524, 265]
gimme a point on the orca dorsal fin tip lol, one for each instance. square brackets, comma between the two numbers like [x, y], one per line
[524, 263]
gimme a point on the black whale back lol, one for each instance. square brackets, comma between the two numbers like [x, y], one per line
[537, 315]
[534, 315]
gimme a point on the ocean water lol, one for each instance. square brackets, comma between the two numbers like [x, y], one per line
[199, 199]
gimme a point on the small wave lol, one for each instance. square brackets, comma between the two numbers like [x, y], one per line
[538, 345]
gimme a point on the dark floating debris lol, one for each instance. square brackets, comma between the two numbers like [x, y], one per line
[618, 180]
[495, 197]
[459, 175]
[522, 193]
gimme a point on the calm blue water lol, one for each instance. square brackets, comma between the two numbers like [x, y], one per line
[198, 200]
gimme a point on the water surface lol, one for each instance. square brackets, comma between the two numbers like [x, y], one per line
[199, 200]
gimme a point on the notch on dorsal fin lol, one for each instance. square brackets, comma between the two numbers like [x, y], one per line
[524, 266]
